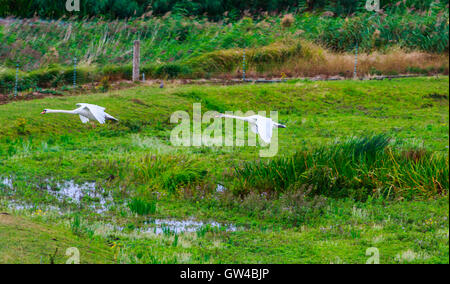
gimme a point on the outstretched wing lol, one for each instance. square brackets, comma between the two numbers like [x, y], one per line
[90, 105]
[84, 119]
[265, 128]
[98, 113]
[110, 117]
[95, 111]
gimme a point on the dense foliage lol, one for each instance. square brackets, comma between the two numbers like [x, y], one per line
[38, 43]
[195, 47]
[214, 9]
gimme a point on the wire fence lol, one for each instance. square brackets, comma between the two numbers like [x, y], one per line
[16, 81]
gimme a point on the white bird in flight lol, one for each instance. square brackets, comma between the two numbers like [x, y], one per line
[260, 125]
[86, 112]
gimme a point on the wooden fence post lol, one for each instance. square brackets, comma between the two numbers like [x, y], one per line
[136, 60]
[355, 71]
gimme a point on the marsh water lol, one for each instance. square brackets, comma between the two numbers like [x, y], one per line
[94, 198]
[160, 226]
[87, 193]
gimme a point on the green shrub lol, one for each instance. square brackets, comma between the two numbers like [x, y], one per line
[104, 84]
[21, 126]
[117, 72]
[171, 70]
[261, 59]
[57, 76]
[149, 70]
[46, 77]
[7, 80]
[185, 177]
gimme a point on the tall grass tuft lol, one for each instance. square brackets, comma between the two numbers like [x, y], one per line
[357, 168]
[142, 207]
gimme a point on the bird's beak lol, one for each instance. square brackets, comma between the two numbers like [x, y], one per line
[43, 112]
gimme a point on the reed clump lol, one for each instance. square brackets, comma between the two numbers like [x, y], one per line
[357, 168]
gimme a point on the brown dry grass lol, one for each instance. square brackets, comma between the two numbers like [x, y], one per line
[287, 20]
[315, 61]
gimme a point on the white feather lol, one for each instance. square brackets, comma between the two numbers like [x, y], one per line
[265, 128]
[260, 125]
[84, 119]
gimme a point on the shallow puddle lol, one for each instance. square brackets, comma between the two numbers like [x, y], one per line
[220, 188]
[6, 181]
[15, 205]
[97, 199]
[20, 206]
[162, 226]
[86, 193]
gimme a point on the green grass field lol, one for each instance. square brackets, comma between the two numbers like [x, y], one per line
[392, 197]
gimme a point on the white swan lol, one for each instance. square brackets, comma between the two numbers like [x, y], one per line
[259, 125]
[86, 112]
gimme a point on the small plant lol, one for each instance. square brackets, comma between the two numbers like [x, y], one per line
[287, 20]
[255, 203]
[299, 199]
[52, 257]
[175, 241]
[170, 70]
[415, 155]
[75, 225]
[21, 126]
[104, 84]
[142, 207]
[167, 231]
[437, 96]
[201, 232]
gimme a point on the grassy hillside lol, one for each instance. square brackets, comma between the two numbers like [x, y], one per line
[24, 241]
[306, 44]
[34, 43]
[346, 187]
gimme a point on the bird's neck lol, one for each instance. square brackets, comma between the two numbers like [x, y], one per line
[60, 111]
[234, 116]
